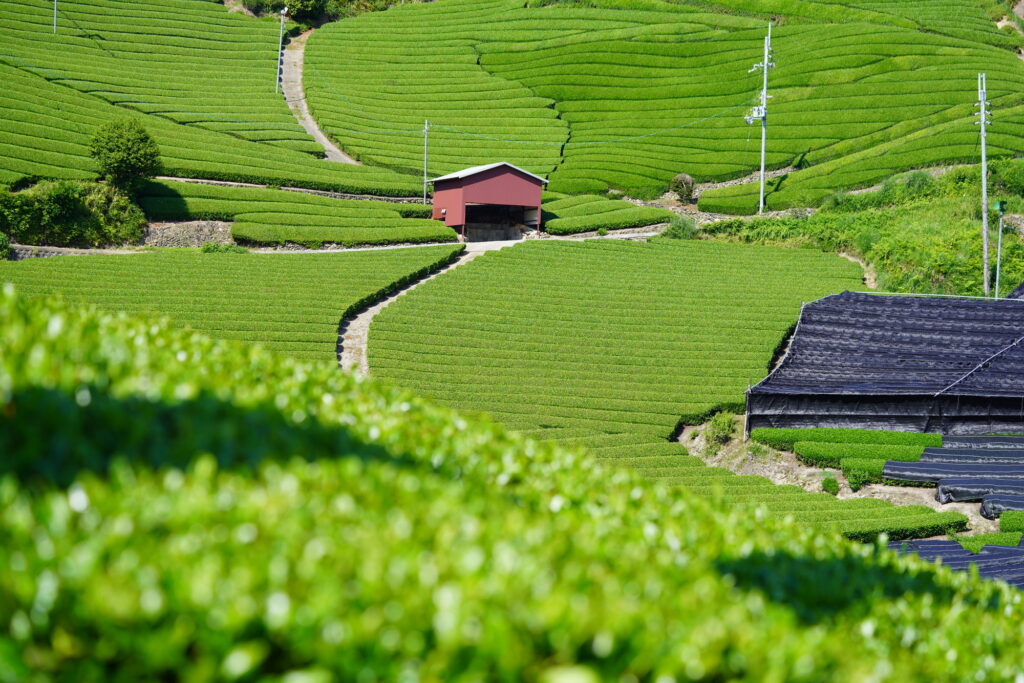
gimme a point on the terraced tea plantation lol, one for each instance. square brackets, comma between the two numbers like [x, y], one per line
[291, 303]
[141, 493]
[612, 345]
[200, 79]
[270, 217]
[625, 94]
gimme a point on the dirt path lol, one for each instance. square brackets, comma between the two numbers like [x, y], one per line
[237, 6]
[1007, 21]
[700, 188]
[291, 79]
[354, 334]
[870, 277]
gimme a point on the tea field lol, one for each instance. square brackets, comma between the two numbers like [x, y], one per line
[201, 80]
[583, 213]
[612, 346]
[627, 93]
[292, 303]
[202, 548]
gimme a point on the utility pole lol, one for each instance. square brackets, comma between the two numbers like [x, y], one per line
[426, 148]
[280, 52]
[760, 111]
[1001, 207]
[983, 121]
[54, 16]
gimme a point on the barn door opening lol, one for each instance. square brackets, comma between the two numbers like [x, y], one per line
[489, 222]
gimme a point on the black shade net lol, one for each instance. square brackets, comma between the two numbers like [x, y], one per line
[1006, 456]
[934, 364]
[984, 442]
[1001, 562]
[995, 504]
[959, 489]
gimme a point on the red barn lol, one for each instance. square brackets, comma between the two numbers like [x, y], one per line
[496, 201]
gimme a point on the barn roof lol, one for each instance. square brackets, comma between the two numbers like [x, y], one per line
[869, 344]
[474, 170]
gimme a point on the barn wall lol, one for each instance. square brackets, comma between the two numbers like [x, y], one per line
[502, 186]
[449, 195]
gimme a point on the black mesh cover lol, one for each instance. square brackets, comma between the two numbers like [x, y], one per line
[996, 504]
[934, 471]
[984, 442]
[1007, 456]
[956, 489]
[931, 364]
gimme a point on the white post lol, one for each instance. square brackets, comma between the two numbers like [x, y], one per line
[280, 53]
[764, 116]
[999, 253]
[54, 16]
[983, 121]
[426, 148]
[760, 111]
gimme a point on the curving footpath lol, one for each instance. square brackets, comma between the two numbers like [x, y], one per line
[295, 95]
[354, 333]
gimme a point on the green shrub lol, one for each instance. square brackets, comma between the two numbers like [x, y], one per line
[218, 248]
[830, 485]
[126, 154]
[1011, 520]
[721, 428]
[5, 247]
[975, 542]
[682, 186]
[680, 228]
[862, 471]
[1008, 176]
[785, 438]
[823, 454]
[70, 213]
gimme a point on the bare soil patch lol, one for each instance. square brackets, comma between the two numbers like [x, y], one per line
[187, 233]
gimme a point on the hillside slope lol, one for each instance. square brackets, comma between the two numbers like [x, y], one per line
[199, 79]
[407, 541]
[639, 90]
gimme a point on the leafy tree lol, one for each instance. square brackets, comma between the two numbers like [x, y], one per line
[126, 153]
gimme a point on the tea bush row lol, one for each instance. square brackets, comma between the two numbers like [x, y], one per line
[624, 343]
[588, 212]
[289, 302]
[265, 216]
[785, 439]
